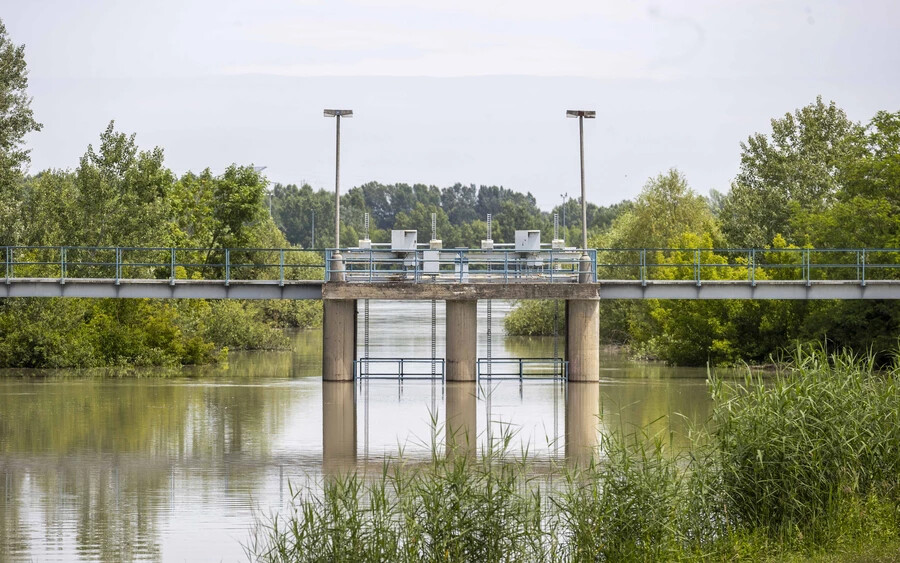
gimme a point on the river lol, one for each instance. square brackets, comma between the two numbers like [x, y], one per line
[151, 466]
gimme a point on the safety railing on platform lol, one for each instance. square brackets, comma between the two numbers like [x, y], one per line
[522, 368]
[399, 368]
[500, 265]
[118, 263]
[750, 265]
[460, 265]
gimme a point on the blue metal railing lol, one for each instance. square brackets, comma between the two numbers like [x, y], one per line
[399, 368]
[522, 368]
[460, 265]
[500, 265]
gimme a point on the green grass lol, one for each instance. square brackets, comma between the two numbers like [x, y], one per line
[803, 465]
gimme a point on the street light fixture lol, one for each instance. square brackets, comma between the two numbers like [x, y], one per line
[585, 265]
[337, 114]
[581, 115]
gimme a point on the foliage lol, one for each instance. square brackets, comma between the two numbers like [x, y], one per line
[16, 121]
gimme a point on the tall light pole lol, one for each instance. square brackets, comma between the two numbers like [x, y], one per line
[581, 114]
[337, 114]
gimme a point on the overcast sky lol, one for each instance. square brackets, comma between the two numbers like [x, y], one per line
[471, 91]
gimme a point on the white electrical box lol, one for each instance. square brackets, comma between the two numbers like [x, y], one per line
[487, 244]
[403, 240]
[528, 241]
[365, 244]
[431, 261]
[435, 244]
[558, 244]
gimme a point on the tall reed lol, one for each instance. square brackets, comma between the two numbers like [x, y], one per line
[801, 462]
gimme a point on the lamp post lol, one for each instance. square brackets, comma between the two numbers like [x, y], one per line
[337, 259]
[337, 114]
[581, 115]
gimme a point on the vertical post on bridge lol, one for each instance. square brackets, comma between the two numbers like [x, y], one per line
[171, 266]
[62, 265]
[8, 263]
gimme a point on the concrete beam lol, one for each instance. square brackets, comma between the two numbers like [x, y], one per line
[462, 340]
[160, 289]
[583, 339]
[828, 289]
[338, 340]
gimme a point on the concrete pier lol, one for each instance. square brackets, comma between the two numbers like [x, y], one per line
[462, 339]
[582, 422]
[461, 435]
[338, 339]
[338, 426]
[583, 339]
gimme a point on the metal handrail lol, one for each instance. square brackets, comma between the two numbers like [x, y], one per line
[699, 265]
[559, 368]
[361, 368]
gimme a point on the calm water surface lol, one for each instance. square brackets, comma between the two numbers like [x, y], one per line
[176, 469]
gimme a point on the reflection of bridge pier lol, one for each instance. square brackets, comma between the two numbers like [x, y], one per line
[582, 421]
[460, 425]
[338, 425]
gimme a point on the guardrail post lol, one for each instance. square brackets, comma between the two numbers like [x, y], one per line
[506, 266]
[280, 267]
[8, 263]
[401, 369]
[863, 267]
[551, 265]
[118, 264]
[327, 264]
[227, 266]
[521, 373]
[62, 265]
[593, 255]
[371, 264]
[697, 265]
[808, 266]
[644, 267]
[171, 266]
[751, 267]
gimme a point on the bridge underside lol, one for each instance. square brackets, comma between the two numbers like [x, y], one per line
[607, 289]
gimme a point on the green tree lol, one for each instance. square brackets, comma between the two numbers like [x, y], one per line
[797, 167]
[16, 121]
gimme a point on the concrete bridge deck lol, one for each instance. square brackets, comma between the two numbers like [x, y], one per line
[603, 289]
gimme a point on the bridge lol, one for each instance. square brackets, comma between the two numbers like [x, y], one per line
[461, 277]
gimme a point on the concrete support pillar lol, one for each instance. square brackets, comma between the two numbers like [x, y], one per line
[582, 421]
[460, 423]
[338, 339]
[583, 339]
[462, 339]
[338, 426]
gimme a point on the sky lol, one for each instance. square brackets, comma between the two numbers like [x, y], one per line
[471, 91]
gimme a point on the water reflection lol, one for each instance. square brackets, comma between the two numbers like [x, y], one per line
[338, 426]
[582, 422]
[173, 469]
[461, 432]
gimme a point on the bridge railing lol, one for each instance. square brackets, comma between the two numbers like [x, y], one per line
[118, 263]
[459, 265]
[751, 265]
[500, 265]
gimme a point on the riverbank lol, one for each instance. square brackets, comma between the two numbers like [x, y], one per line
[805, 465]
[98, 333]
